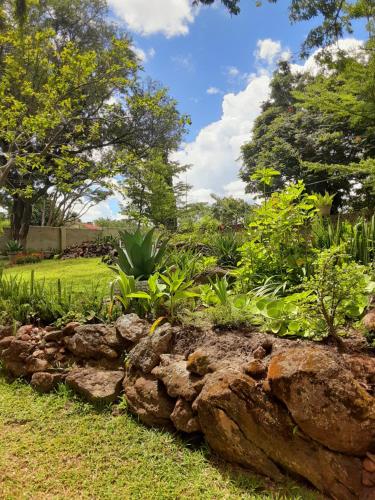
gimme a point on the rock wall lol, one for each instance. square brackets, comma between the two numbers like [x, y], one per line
[273, 405]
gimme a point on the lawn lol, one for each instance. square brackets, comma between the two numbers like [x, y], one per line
[81, 273]
[53, 447]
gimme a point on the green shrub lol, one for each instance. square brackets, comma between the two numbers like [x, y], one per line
[225, 246]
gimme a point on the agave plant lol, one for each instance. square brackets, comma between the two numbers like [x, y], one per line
[139, 254]
[14, 246]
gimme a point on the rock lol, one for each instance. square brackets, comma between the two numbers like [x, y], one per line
[259, 353]
[45, 382]
[369, 320]
[97, 386]
[178, 381]
[6, 331]
[368, 479]
[255, 368]
[53, 336]
[70, 328]
[368, 465]
[34, 365]
[94, 341]
[246, 426]
[200, 363]
[146, 354]
[131, 329]
[14, 353]
[148, 399]
[322, 395]
[183, 417]
[25, 329]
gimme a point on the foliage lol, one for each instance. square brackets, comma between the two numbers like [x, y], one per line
[339, 289]
[13, 246]
[303, 142]
[225, 246]
[121, 289]
[278, 238]
[139, 254]
[229, 211]
[151, 192]
[34, 301]
[323, 200]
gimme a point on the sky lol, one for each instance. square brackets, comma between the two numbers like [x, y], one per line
[218, 67]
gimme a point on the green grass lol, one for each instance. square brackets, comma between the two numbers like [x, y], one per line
[80, 273]
[53, 447]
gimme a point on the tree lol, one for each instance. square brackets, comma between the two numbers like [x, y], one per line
[288, 136]
[149, 191]
[231, 212]
[59, 208]
[336, 17]
[69, 90]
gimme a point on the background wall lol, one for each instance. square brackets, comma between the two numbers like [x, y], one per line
[57, 238]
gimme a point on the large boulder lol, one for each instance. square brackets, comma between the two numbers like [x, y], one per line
[148, 399]
[94, 341]
[324, 399]
[97, 386]
[245, 425]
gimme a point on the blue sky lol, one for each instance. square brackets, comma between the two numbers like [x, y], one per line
[218, 68]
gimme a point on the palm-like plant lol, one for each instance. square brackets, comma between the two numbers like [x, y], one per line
[139, 254]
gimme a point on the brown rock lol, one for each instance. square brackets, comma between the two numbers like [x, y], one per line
[53, 336]
[97, 386]
[70, 328]
[322, 395]
[94, 341]
[146, 354]
[7, 331]
[200, 362]
[148, 399]
[368, 465]
[25, 329]
[368, 479]
[45, 382]
[259, 353]
[14, 353]
[183, 417]
[255, 368]
[131, 329]
[246, 426]
[178, 381]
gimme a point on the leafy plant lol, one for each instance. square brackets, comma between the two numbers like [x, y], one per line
[220, 288]
[13, 246]
[138, 254]
[225, 247]
[323, 200]
[339, 289]
[121, 289]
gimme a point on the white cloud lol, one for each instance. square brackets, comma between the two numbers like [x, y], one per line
[147, 17]
[236, 189]
[233, 71]
[215, 150]
[349, 45]
[142, 55]
[213, 91]
[184, 61]
[270, 51]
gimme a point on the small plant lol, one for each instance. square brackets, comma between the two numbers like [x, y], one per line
[121, 289]
[323, 202]
[138, 254]
[220, 288]
[14, 246]
[226, 248]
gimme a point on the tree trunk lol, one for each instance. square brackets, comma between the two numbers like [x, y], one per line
[20, 219]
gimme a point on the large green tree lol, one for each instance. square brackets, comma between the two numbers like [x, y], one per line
[290, 136]
[69, 91]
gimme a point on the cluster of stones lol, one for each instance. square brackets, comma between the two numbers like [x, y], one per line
[275, 406]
